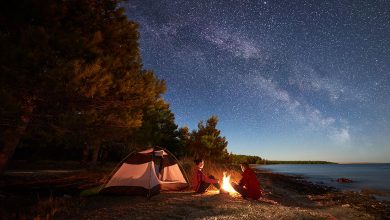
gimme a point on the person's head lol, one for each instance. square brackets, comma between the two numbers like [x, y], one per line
[244, 166]
[199, 163]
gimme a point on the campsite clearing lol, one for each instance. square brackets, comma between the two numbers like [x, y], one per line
[297, 200]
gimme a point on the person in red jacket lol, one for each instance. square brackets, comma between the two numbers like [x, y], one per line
[248, 186]
[201, 182]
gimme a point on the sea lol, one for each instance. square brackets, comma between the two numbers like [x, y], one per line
[365, 177]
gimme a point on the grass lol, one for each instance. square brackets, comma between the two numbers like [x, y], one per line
[36, 208]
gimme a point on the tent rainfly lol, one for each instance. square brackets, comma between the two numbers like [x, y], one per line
[146, 173]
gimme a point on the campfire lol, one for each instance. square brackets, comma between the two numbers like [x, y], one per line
[226, 186]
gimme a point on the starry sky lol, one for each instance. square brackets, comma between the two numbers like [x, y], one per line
[288, 79]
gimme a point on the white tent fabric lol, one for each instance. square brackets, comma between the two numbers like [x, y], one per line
[173, 174]
[146, 173]
[135, 175]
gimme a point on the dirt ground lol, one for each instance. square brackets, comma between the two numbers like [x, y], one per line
[295, 198]
[57, 196]
[187, 205]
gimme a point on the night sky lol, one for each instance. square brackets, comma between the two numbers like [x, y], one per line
[289, 80]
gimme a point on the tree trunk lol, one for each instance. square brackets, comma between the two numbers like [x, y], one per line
[85, 154]
[104, 156]
[13, 135]
[95, 153]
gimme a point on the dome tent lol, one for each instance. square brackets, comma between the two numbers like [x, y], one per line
[146, 173]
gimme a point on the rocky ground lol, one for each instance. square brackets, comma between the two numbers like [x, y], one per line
[286, 197]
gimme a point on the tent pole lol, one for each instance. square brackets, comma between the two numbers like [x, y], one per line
[115, 168]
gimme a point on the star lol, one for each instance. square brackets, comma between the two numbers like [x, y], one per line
[315, 72]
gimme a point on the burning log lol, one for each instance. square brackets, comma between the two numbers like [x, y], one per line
[222, 191]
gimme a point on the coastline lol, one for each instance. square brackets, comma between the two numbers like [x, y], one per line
[302, 192]
[368, 179]
[296, 199]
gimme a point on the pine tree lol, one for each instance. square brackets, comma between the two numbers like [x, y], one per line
[206, 142]
[77, 61]
[159, 129]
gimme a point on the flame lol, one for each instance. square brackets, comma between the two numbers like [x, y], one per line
[226, 184]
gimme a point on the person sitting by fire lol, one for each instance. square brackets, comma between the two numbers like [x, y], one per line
[201, 182]
[248, 186]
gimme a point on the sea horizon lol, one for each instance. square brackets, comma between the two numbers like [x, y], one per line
[364, 176]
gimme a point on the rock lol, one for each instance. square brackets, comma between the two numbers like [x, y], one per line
[344, 180]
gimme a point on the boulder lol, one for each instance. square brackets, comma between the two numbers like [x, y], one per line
[344, 180]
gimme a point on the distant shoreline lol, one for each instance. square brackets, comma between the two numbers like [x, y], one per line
[272, 162]
[275, 162]
[292, 190]
[362, 163]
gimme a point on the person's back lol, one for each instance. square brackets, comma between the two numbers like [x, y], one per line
[251, 183]
[248, 186]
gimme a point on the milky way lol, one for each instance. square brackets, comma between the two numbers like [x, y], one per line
[289, 80]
